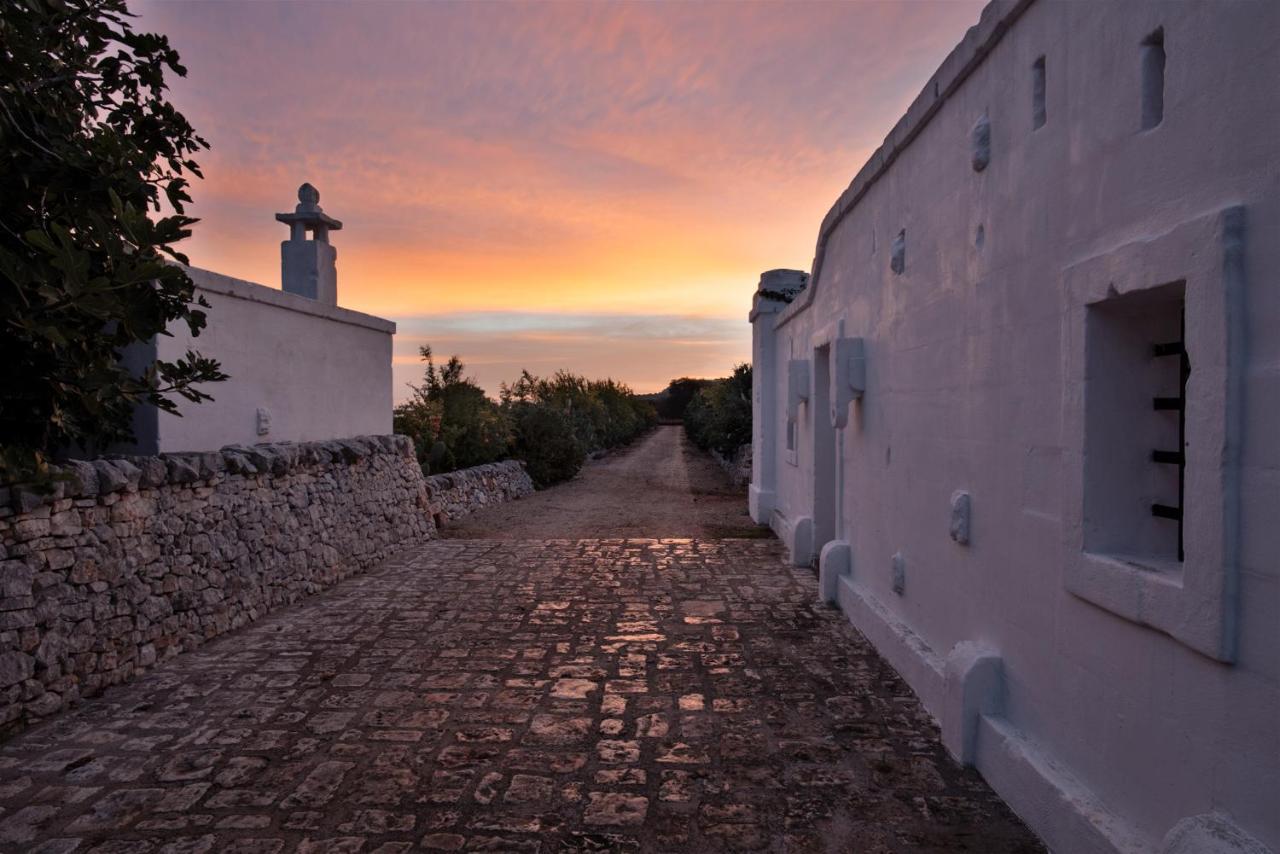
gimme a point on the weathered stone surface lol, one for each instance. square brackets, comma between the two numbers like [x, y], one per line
[444, 702]
[737, 466]
[458, 493]
[15, 667]
[140, 558]
[111, 478]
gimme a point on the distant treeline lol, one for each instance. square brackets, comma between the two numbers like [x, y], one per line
[551, 423]
[716, 413]
[672, 401]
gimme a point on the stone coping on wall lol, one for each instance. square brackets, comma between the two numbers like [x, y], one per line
[130, 560]
[997, 18]
[218, 283]
[122, 472]
[457, 493]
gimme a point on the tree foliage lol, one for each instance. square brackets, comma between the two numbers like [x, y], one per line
[91, 153]
[562, 418]
[675, 398]
[719, 415]
[452, 422]
[551, 423]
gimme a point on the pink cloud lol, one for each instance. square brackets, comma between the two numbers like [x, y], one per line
[628, 157]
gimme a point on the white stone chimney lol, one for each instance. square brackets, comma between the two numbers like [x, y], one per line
[309, 267]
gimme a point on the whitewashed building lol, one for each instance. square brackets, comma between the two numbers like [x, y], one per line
[1024, 416]
[300, 367]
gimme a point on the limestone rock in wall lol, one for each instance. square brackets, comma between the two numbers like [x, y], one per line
[131, 560]
[455, 494]
[738, 467]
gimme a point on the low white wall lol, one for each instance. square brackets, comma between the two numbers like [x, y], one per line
[1118, 704]
[317, 371]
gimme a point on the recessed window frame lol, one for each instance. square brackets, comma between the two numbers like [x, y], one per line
[1039, 104]
[1154, 60]
[1196, 602]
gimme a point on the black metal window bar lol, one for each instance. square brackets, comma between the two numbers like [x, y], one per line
[1178, 404]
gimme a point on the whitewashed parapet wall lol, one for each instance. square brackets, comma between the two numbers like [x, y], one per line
[456, 494]
[979, 501]
[300, 370]
[133, 560]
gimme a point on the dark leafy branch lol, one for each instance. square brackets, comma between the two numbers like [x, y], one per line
[94, 179]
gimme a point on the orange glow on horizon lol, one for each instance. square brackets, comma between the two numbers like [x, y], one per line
[604, 162]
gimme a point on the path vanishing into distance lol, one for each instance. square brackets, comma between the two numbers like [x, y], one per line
[595, 668]
[662, 486]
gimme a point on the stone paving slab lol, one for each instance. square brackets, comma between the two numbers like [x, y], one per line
[588, 695]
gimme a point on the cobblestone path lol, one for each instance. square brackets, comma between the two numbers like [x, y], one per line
[591, 695]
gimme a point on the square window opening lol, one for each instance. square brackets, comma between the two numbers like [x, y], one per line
[1135, 403]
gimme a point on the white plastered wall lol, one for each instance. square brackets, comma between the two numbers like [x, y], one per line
[1111, 714]
[314, 371]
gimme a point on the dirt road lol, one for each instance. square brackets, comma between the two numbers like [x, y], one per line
[662, 486]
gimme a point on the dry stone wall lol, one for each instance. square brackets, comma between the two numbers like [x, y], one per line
[458, 493]
[134, 559]
[738, 466]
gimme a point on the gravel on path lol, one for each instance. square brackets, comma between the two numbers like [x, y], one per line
[662, 486]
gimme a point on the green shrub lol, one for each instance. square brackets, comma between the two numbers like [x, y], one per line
[719, 415]
[452, 422]
[601, 414]
[550, 423]
[546, 442]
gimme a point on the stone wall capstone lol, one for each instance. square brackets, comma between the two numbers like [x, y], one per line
[455, 494]
[134, 559]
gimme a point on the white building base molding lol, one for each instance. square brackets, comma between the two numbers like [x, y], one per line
[833, 564]
[798, 536]
[760, 504]
[965, 692]
[973, 686]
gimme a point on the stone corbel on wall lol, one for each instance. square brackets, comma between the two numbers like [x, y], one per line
[848, 377]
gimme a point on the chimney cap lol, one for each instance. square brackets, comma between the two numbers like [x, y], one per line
[308, 212]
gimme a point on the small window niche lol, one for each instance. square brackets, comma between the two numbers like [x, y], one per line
[898, 262]
[981, 143]
[1038, 114]
[1153, 79]
[792, 456]
[1135, 398]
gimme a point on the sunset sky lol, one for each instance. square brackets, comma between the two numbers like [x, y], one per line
[587, 186]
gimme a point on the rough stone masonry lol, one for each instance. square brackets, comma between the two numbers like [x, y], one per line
[134, 559]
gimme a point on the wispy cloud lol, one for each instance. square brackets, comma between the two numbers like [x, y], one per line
[519, 160]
